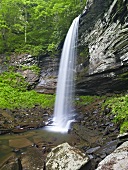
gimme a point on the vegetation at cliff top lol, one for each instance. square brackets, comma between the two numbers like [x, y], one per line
[36, 26]
[14, 94]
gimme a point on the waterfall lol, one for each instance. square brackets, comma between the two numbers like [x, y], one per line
[63, 111]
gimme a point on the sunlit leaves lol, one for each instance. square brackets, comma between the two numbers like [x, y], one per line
[119, 106]
[36, 23]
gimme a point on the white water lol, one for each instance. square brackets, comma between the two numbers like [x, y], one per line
[63, 112]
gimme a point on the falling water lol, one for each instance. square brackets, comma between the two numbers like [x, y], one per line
[63, 112]
[65, 87]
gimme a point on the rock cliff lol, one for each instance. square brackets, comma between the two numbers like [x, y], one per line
[103, 48]
[48, 77]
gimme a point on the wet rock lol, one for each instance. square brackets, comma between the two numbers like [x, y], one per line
[30, 76]
[107, 110]
[16, 150]
[32, 159]
[100, 152]
[18, 143]
[21, 120]
[106, 132]
[106, 149]
[13, 163]
[116, 160]
[122, 138]
[48, 77]
[92, 150]
[4, 131]
[65, 157]
[19, 130]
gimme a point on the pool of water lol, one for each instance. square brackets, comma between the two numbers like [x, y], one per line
[42, 137]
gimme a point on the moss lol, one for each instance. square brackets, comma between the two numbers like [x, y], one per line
[84, 100]
[84, 52]
[34, 68]
[120, 5]
[123, 44]
[83, 58]
[14, 80]
[123, 76]
[120, 11]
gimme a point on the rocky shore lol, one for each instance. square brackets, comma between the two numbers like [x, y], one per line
[93, 133]
[22, 120]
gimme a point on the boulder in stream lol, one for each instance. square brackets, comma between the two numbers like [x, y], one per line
[118, 160]
[66, 157]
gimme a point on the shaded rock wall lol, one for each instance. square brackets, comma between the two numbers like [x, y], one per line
[3, 66]
[103, 48]
[23, 64]
[48, 77]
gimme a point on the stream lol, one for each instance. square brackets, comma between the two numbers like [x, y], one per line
[18, 145]
[93, 132]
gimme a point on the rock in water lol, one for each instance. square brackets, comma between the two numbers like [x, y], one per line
[118, 160]
[65, 157]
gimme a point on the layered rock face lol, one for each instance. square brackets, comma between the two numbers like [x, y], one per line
[103, 48]
[48, 77]
[23, 64]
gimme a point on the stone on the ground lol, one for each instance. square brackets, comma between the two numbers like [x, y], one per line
[65, 157]
[20, 143]
[118, 160]
[32, 159]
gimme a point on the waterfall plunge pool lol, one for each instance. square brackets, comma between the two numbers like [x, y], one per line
[17, 145]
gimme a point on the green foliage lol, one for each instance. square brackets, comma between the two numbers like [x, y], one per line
[85, 100]
[36, 26]
[119, 106]
[14, 80]
[120, 5]
[123, 76]
[84, 52]
[124, 127]
[13, 93]
[34, 68]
